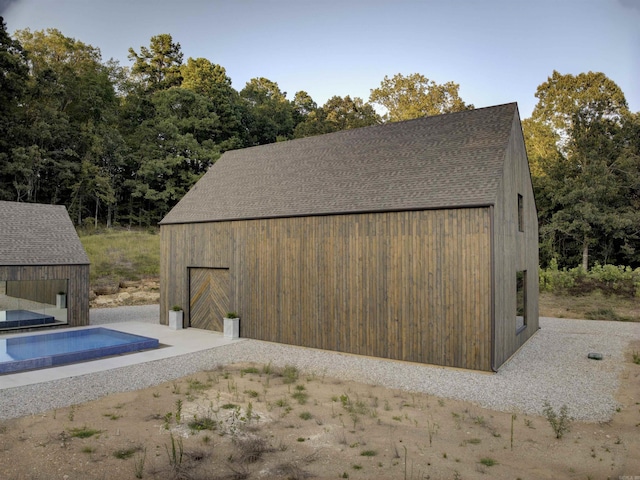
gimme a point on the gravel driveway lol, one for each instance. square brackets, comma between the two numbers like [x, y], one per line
[552, 366]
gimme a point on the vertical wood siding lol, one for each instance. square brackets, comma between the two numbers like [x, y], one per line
[410, 286]
[78, 285]
[204, 245]
[37, 290]
[515, 250]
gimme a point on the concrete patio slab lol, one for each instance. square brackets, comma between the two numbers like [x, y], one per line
[172, 343]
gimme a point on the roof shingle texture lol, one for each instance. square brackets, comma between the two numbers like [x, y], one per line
[36, 234]
[440, 161]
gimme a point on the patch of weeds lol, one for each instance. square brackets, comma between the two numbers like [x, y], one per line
[199, 424]
[290, 374]
[396, 418]
[178, 411]
[112, 416]
[72, 413]
[488, 462]
[252, 448]
[156, 395]
[125, 453]
[167, 419]
[250, 370]
[229, 406]
[479, 420]
[356, 467]
[251, 393]
[300, 439]
[196, 385]
[176, 388]
[300, 396]
[306, 416]
[636, 358]
[88, 449]
[138, 463]
[176, 453]
[560, 422]
[605, 314]
[472, 441]
[267, 369]
[432, 429]
[368, 453]
[83, 432]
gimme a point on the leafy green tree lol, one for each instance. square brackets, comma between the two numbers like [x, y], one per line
[416, 96]
[68, 93]
[170, 151]
[303, 105]
[346, 113]
[270, 115]
[13, 81]
[158, 67]
[211, 81]
[581, 140]
[587, 97]
[338, 113]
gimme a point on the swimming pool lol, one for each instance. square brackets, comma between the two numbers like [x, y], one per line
[52, 349]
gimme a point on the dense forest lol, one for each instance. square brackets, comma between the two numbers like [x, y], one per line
[121, 145]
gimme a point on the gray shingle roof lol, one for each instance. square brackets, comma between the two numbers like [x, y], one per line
[36, 234]
[433, 162]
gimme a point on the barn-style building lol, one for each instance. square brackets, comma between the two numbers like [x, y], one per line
[415, 241]
[44, 269]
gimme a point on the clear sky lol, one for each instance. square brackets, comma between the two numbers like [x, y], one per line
[497, 50]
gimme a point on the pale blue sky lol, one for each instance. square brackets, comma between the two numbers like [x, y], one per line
[497, 50]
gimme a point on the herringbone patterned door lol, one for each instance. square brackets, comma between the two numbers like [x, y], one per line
[209, 303]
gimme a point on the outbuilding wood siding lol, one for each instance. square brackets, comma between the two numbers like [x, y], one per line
[411, 285]
[78, 285]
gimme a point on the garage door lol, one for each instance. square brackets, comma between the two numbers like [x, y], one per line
[209, 297]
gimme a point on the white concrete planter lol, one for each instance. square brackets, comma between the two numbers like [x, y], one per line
[176, 319]
[231, 328]
[61, 300]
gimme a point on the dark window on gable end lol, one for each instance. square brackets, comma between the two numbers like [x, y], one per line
[521, 300]
[520, 213]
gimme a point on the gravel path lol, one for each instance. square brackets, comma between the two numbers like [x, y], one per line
[552, 366]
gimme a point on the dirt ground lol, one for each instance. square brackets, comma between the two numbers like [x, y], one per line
[253, 421]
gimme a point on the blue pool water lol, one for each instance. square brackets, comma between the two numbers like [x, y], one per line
[51, 349]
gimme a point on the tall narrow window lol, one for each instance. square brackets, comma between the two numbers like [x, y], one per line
[521, 300]
[520, 214]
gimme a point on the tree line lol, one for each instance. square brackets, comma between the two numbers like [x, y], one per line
[121, 145]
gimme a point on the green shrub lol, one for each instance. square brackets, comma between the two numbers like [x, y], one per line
[560, 422]
[609, 279]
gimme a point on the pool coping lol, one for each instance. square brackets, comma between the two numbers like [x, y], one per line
[172, 343]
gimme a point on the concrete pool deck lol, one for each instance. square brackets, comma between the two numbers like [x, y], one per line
[144, 322]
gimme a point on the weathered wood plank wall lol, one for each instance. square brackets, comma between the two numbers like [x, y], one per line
[37, 290]
[515, 250]
[78, 285]
[411, 286]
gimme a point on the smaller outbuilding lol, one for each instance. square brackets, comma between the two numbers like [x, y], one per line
[44, 269]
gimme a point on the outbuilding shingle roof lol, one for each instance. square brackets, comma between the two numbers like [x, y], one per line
[440, 161]
[36, 234]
